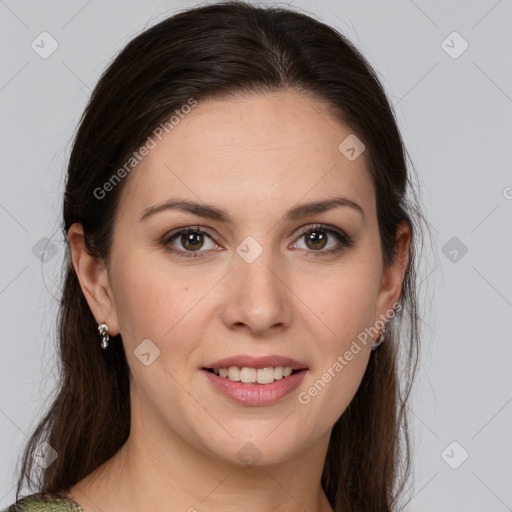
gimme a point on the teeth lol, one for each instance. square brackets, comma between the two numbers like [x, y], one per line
[233, 373]
[254, 375]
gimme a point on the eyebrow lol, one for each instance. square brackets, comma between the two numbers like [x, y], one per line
[215, 213]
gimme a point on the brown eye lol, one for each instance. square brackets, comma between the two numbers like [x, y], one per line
[320, 237]
[186, 241]
[316, 239]
[192, 241]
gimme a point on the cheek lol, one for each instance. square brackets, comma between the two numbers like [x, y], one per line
[144, 299]
[347, 305]
[139, 304]
[156, 302]
[343, 303]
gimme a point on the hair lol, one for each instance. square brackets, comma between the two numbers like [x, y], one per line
[221, 51]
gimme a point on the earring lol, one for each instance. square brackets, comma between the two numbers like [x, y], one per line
[379, 342]
[103, 330]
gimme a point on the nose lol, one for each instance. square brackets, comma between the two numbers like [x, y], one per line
[258, 299]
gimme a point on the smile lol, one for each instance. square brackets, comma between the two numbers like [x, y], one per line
[249, 375]
[254, 393]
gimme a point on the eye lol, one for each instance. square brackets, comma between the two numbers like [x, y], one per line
[316, 239]
[191, 239]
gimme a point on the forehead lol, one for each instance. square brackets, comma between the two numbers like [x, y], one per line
[248, 153]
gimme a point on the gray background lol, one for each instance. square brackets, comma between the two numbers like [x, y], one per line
[454, 114]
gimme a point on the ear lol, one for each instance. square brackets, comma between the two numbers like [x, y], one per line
[393, 276]
[93, 277]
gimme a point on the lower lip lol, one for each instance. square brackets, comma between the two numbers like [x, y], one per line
[256, 394]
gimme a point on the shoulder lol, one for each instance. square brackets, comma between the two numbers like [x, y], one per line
[43, 503]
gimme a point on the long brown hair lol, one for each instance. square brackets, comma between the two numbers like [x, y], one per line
[219, 51]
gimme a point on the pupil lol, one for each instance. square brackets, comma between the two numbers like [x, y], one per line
[189, 241]
[319, 237]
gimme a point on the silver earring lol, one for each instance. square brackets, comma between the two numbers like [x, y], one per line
[379, 342]
[103, 330]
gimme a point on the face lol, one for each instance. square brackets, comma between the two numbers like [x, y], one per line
[260, 282]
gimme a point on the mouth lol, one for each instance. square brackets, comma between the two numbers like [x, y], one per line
[247, 375]
[250, 386]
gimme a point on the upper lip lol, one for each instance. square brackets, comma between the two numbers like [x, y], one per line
[256, 362]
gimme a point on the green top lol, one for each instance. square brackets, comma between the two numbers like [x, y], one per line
[41, 503]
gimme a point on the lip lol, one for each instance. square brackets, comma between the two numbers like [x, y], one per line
[256, 362]
[255, 394]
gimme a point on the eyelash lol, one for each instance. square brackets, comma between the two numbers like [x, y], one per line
[344, 240]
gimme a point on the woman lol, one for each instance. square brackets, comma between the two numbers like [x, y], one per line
[240, 281]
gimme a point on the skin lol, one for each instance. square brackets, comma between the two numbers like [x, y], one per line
[255, 157]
